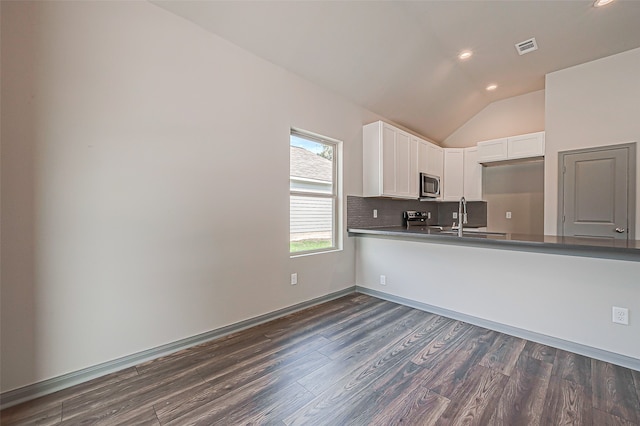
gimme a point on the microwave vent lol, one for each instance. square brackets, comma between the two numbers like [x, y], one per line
[527, 46]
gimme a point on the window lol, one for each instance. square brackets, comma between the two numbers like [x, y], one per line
[313, 184]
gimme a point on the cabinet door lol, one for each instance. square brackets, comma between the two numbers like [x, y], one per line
[388, 160]
[435, 160]
[423, 156]
[472, 175]
[493, 150]
[453, 181]
[392, 160]
[524, 146]
[403, 164]
[414, 172]
[420, 160]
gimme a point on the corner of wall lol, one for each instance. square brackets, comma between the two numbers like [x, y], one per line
[512, 116]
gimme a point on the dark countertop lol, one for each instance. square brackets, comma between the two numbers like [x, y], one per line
[572, 246]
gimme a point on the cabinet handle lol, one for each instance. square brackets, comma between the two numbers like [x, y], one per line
[620, 230]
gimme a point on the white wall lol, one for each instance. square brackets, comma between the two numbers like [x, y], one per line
[564, 297]
[508, 117]
[592, 104]
[145, 171]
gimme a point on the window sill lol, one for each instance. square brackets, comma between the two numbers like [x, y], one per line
[311, 253]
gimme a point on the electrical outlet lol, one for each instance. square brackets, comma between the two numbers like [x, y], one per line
[383, 280]
[508, 215]
[375, 213]
[294, 278]
[620, 315]
[455, 215]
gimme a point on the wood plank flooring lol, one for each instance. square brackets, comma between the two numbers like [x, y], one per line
[356, 360]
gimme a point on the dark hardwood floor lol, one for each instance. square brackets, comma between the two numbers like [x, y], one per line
[353, 361]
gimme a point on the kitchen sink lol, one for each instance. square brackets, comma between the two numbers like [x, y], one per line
[473, 233]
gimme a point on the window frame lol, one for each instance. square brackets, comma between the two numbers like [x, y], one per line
[335, 195]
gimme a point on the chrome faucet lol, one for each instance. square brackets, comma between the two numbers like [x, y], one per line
[462, 214]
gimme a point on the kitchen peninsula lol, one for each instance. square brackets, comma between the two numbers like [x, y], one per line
[549, 289]
[388, 223]
[590, 247]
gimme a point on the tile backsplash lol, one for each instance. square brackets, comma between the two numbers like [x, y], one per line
[476, 213]
[360, 212]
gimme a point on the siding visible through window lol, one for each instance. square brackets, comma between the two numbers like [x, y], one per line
[313, 207]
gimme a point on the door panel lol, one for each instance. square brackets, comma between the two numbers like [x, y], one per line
[403, 164]
[595, 191]
[596, 194]
[388, 160]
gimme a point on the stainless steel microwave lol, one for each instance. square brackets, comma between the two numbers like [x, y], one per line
[429, 186]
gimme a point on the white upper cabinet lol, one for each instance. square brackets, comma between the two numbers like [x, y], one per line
[403, 165]
[435, 160]
[462, 174]
[453, 180]
[472, 175]
[388, 168]
[493, 150]
[422, 161]
[526, 146]
[430, 161]
[530, 145]
[393, 160]
[418, 163]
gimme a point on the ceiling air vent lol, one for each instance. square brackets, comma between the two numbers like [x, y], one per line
[527, 46]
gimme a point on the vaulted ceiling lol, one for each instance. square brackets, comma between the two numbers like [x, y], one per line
[399, 59]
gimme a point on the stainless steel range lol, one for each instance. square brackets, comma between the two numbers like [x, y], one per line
[415, 218]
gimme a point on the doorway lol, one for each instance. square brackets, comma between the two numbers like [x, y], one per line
[597, 192]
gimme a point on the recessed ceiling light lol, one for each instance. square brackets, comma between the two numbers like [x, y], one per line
[492, 87]
[465, 54]
[599, 3]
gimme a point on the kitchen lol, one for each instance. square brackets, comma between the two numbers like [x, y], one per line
[563, 285]
[125, 161]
